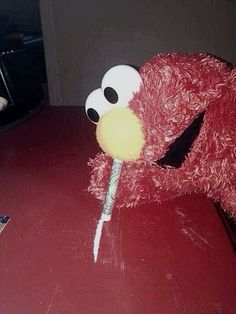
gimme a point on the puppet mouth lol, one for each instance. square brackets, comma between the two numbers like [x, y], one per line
[179, 149]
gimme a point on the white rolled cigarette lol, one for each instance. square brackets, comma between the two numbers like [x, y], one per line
[108, 204]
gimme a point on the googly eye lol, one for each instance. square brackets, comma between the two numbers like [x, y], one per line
[120, 83]
[96, 105]
[93, 115]
[111, 95]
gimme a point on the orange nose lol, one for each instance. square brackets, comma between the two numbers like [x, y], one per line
[119, 134]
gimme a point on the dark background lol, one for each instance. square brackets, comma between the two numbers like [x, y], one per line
[23, 14]
[84, 38]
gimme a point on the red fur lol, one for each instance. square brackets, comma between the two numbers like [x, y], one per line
[176, 88]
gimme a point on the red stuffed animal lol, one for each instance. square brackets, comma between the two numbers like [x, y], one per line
[179, 135]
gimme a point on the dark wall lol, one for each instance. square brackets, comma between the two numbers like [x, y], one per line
[84, 38]
[25, 14]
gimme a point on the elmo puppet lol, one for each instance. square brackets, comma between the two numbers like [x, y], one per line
[173, 125]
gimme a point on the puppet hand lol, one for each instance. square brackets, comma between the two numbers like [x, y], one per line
[101, 167]
[130, 183]
[136, 185]
[228, 200]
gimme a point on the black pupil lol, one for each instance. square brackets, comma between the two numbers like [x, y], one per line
[111, 95]
[93, 115]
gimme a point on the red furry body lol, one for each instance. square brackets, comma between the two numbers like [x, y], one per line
[176, 89]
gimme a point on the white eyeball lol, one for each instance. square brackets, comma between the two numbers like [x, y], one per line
[118, 87]
[120, 83]
[96, 105]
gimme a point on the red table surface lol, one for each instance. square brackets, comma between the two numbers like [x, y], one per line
[173, 257]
